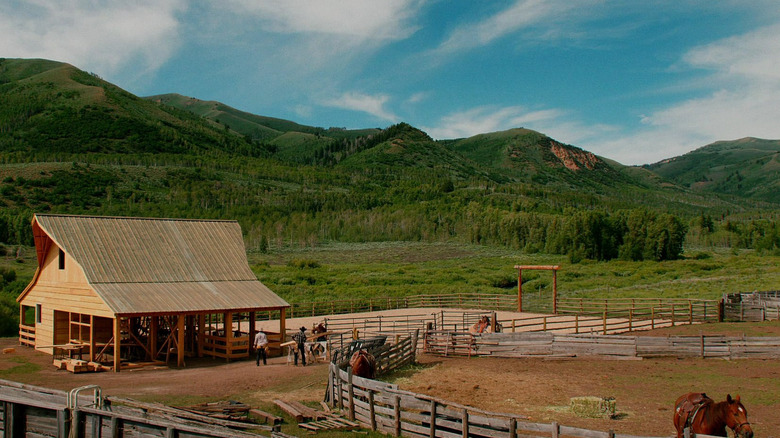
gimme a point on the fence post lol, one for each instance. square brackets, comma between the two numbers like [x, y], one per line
[351, 392]
[465, 423]
[652, 317]
[397, 413]
[371, 412]
[605, 322]
[672, 314]
[576, 323]
[432, 432]
[556, 429]
[631, 318]
[512, 428]
[690, 312]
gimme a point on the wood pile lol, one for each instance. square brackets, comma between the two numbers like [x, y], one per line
[313, 419]
[234, 411]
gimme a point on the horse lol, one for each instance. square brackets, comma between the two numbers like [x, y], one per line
[363, 364]
[484, 326]
[319, 328]
[703, 415]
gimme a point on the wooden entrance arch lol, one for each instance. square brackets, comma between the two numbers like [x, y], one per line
[553, 268]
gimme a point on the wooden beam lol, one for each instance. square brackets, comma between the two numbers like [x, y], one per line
[201, 333]
[117, 338]
[154, 325]
[91, 338]
[180, 341]
[282, 323]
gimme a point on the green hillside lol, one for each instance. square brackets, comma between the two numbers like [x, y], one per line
[749, 168]
[73, 143]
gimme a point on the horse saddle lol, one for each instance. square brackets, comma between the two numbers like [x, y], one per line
[689, 406]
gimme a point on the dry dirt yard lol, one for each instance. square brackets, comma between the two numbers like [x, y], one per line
[540, 389]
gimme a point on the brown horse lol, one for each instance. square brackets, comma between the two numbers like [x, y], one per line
[703, 415]
[363, 364]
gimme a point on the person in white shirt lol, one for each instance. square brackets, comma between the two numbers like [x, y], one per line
[260, 344]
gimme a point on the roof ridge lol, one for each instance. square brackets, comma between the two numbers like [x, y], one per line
[157, 219]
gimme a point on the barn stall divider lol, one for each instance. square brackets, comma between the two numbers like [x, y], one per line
[84, 413]
[384, 407]
[547, 344]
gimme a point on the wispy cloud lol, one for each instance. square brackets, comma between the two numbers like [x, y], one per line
[488, 119]
[744, 85]
[358, 19]
[371, 104]
[103, 36]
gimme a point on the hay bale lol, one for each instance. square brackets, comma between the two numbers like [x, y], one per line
[593, 407]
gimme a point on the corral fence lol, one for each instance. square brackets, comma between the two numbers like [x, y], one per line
[753, 306]
[547, 344]
[41, 412]
[385, 408]
[458, 300]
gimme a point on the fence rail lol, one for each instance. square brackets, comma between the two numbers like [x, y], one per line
[547, 344]
[754, 306]
[41, 412]
[385, 408]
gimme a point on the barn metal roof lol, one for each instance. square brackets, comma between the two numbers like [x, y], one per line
[145, 265]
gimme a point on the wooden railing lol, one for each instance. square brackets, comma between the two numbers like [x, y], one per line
[33, 411]
[27, 335]
[462, 301]
[385, 408]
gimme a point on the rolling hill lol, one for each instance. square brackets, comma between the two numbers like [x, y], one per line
[748, 167]
[71, 142]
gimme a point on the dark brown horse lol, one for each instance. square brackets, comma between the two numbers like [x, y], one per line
[703, 415]
[363, 364]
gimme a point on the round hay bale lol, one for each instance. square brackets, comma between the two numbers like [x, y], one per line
[593, 407]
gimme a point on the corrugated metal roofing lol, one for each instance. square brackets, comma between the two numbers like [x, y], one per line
[161, 265]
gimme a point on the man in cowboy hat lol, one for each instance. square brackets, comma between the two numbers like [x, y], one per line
[300, 341]
[260, 344]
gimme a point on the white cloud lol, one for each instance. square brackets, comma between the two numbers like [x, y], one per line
[743, 102]
[357, 19]
[489, 119]
[374, 105]
[101, 36]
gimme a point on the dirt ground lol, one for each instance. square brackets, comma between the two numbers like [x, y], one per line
[540, 389]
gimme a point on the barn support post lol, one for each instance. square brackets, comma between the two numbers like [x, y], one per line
[201, 333]
[283, 324]
[154, 324]
[180, 341]
[252, 329]
[117, 342]
[91, 338]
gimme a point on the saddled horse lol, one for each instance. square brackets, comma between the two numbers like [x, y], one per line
[484, 326]
[703, 415]
[363, 364]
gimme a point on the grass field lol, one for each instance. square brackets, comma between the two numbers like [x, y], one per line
[343, 271]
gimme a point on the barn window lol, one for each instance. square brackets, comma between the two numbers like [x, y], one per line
[38, 313]
[62, 259]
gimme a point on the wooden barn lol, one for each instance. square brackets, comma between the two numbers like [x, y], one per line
[122, 291]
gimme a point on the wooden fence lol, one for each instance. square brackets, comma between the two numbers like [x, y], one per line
[546, 344]
[385, 408]
[754, 306]
[41, 412]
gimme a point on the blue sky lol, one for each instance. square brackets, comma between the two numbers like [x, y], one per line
[634, 81]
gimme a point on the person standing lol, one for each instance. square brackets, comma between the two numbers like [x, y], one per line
[300, 341]
[260, 344]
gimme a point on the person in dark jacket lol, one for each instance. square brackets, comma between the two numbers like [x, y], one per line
[300, 341]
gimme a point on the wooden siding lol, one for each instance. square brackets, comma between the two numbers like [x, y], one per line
[64, 290]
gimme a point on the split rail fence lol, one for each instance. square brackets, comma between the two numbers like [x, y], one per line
[385, 408]
[539, 344]
[41, 412]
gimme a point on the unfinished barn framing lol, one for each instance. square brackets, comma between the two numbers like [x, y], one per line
[119, 290]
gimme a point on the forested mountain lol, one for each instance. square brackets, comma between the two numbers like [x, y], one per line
[73, 143]
[749, 167]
